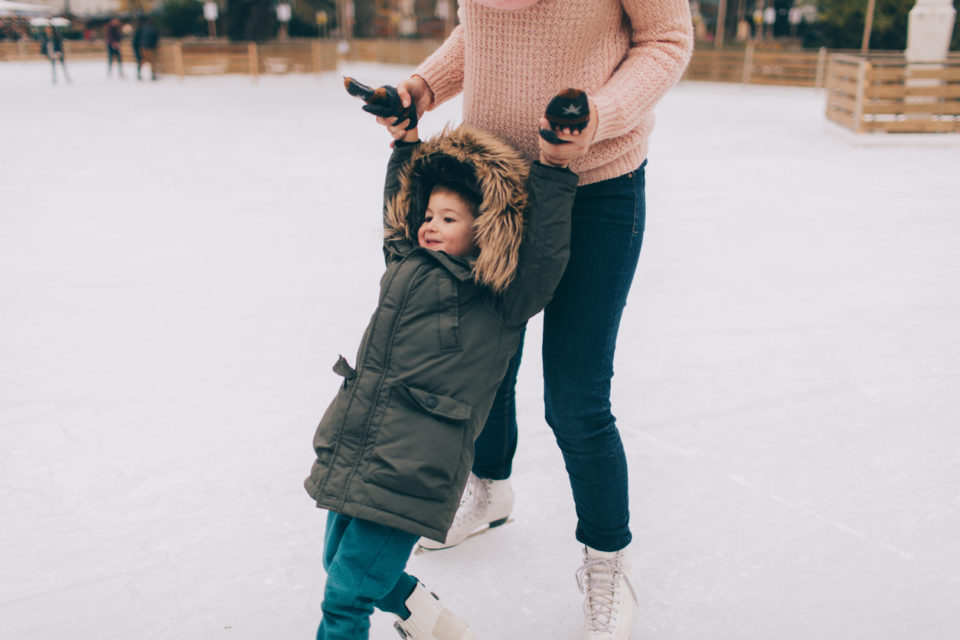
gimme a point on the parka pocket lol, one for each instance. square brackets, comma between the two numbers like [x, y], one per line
[419, 443]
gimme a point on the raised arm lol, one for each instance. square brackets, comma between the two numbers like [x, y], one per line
[436, 80]
[442, 71]
[546, 241]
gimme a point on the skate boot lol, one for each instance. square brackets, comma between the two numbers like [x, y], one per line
[485, 504]
[610, 602]
[430, 620]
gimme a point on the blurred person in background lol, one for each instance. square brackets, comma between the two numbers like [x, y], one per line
[52, 46]
[114, 36]
[145, 41]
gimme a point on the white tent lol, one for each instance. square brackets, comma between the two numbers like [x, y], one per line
[8, 8]
[43, 22]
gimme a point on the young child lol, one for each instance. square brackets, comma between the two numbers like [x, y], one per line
[475, 243]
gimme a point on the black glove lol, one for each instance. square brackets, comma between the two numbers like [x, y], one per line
[383, 101]
[569, 109]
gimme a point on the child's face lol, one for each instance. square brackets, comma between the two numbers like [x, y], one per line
[448, 225]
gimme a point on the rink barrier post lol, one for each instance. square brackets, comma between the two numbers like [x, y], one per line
[178, 59]
[317, 57]
[254, 61]
[821, 67]
[747, 62]
[862, 67]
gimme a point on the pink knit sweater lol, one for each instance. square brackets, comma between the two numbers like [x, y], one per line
[626, 54]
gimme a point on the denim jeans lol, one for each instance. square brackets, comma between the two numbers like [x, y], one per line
[580, 328]
[365, 564]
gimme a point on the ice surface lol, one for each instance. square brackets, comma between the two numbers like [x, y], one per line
[181, 263]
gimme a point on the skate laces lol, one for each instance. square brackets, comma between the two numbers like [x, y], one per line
[473, 504]
[598, 580]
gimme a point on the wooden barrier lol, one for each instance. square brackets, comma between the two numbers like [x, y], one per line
[203, 57]
[752, 65]
[406, 52]
[29, 50]
[885, 93]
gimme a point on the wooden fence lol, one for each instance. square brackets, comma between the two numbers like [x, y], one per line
[205, 57]
[885, 93]
[752, 65]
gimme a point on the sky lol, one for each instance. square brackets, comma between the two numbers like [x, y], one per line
[182, 262]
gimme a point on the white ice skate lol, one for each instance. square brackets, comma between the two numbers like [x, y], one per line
[610, 602]
[485, 504]
[430, 620]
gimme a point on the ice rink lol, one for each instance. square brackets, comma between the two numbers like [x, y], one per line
[181, 264]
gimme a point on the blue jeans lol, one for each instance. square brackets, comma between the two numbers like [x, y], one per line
[364, 563]
[580, 328]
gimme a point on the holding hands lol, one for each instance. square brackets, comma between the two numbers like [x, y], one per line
[567, 128]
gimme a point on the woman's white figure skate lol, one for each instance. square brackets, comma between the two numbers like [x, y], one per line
[430, 620]
[485, 504]
[610, 600]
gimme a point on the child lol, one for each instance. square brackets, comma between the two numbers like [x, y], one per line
[475, 243]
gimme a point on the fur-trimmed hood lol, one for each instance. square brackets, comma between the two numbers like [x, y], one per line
[486, 166]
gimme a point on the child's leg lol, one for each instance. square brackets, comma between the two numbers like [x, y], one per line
[364, 563]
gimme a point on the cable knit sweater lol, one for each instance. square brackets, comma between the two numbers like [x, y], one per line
[625, 54]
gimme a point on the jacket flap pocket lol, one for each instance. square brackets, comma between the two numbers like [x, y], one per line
[343, 368]
[443, 406]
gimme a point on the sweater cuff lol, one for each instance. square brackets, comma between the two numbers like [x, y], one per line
[442, 84]
[606, 117]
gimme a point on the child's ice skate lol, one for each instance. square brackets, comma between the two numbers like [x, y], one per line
[430, 620]
[485, 504]
[569, 109]
[610, 601]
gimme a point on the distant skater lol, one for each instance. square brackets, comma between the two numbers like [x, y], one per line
[52, 46]
[145, 41]
[114, 37]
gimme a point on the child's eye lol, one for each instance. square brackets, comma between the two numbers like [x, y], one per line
[448, 220]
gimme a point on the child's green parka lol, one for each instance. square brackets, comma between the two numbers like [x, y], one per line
[396, 444]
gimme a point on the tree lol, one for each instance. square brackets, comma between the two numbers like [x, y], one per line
[179, 18]
[251, 20]
[840, 25]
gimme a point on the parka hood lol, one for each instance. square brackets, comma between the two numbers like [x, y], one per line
[484, 165]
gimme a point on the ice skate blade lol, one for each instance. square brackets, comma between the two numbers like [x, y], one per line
[492, 525]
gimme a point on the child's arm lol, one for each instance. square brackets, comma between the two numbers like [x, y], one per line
[546, 241]
[551, 190]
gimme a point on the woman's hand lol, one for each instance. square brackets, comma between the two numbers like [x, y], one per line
[415, 90]
[561, 155]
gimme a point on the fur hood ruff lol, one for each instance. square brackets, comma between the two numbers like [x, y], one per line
[488, 167]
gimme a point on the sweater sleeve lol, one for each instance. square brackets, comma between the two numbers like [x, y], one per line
[660, 48]
[443, 69]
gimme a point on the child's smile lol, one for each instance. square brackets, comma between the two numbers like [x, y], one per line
[447, 226]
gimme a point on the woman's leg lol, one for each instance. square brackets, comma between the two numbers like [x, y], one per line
[494, 449]
[365, 565]
[579, 339]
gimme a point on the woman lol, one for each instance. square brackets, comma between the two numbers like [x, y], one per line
[52, 46]
[508, 57]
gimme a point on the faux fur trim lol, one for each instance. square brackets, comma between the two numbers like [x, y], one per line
[484, 163]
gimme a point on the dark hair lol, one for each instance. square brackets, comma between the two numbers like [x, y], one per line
[468, 196]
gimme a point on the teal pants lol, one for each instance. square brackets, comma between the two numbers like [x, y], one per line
[365, 565]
